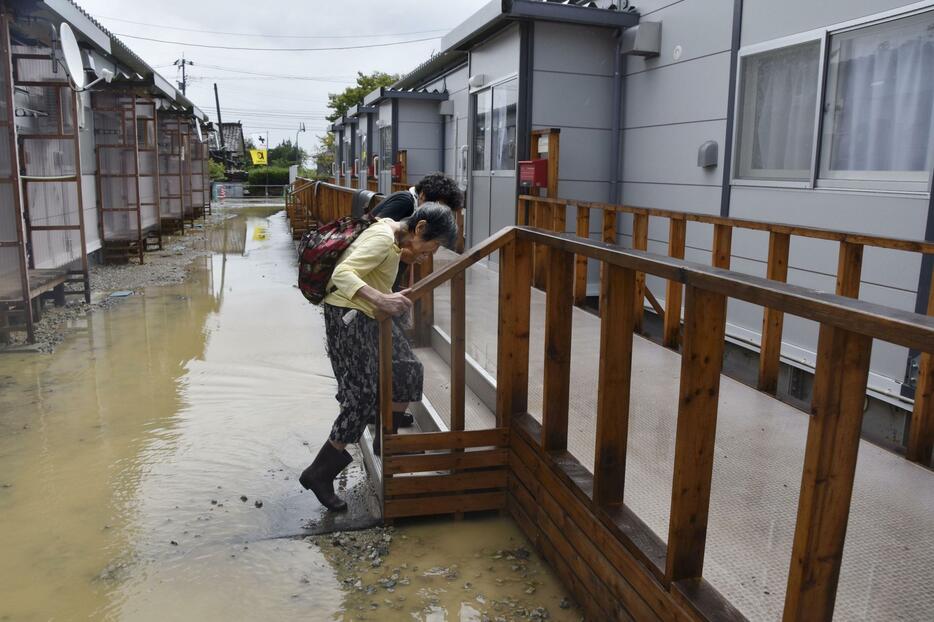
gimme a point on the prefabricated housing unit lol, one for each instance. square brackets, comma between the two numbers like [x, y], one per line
[77, 167]
[811, 114]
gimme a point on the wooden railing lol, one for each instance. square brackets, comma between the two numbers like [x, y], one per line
[616, 566]
[550, 214]
[312, 202]
[372, 184]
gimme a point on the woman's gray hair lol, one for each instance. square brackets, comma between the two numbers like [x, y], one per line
[439, 223]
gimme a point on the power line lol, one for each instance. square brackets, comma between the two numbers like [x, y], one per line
[335, 79]
[250, 49]
[271, 36]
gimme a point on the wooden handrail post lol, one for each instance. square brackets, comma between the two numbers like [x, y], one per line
[580, 262]
[921, 430]
[609, 230]
[385, 378]
[829, 468]
[849, 269]
[617, 288]
[559, 305]
[424, 312]
[701, 362]
[640, 242]
[722, 246]
[671, 336]
[458, 349]
[512, 356]
[542, 221]
[770, 347]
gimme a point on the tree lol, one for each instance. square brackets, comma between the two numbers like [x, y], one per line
[286, 154]
[324, 156]
[353, 95]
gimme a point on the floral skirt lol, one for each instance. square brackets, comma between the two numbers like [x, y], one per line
[354, 352]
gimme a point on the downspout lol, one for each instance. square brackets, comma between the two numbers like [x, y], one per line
[616, 143]
[526, 71]
[726, 189]
[921, 300]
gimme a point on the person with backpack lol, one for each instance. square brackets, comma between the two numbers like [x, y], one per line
[359, 292]
[433, 188]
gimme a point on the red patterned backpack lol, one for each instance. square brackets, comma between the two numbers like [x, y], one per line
[319, 251]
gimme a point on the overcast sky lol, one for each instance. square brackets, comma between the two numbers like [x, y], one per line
[276, 104]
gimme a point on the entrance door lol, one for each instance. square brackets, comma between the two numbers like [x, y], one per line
[493, 191]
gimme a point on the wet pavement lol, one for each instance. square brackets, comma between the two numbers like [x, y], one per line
[148, 470]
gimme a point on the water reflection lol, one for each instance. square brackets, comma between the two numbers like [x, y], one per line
[147, 468]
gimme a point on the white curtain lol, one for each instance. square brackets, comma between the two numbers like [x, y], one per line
[785, 106]
[883, 109]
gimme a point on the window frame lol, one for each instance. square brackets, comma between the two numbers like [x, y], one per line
[869, 181]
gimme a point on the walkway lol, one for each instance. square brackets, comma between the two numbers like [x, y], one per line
[888, 564]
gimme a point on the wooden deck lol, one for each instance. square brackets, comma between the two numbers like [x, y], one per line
[40, 282]
[656, 487]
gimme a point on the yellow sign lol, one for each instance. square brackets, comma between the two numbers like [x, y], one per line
[259, 157]
[259, 233]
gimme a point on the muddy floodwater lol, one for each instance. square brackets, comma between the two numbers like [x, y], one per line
[148, 470]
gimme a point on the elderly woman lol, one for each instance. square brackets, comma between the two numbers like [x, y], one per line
[361, 291]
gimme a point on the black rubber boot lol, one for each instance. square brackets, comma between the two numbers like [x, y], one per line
[319, 476]
[400, 419]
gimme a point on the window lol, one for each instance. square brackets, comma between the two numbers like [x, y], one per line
[879, 105]
[385, 148]
[483, 104]
[877, 115]
[503, 150]
[779, 107]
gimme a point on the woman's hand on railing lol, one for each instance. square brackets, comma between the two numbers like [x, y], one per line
[394, 304]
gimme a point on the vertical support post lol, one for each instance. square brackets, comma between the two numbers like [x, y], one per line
[580, 263]
[677, 234]
[512, 357]
[640, 242]
[921, 431]
[722, 246]
[424, 306]
[770, 348]
[617, 287]
[17, 207]
[559, 305]
[849, 269]
[385, 377]
[544, 219]
[141, 238]
[829, 468]
[458, 349]
[608, 234]
[85, 268]
[701, 362]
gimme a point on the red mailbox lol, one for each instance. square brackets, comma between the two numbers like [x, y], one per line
[353, 171]
[533, 173]
[396, 171]
[370, 171]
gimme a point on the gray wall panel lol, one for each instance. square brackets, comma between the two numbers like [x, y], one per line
[584, 155]
[695, 199]
[680, 28]
[562, 99]
[497, 57]
[573, 49]
[764, 20]
[696, 90]
[668, 153]
[420, 135]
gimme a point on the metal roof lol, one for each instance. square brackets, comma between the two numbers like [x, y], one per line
[496, 15]
[385, 92]
[95, 33]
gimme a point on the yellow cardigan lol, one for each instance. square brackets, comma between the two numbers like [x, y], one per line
[373, 259]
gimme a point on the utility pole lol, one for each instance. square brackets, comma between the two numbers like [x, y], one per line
[298, 153]
[181, 62]
[220, 128]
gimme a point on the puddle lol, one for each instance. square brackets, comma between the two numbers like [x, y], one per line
[125, 457]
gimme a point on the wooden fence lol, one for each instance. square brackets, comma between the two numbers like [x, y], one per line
[311, 202]
[615, 565]
[551, 215]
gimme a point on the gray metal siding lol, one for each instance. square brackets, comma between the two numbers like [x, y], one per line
[764, 20]
[497, 57]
